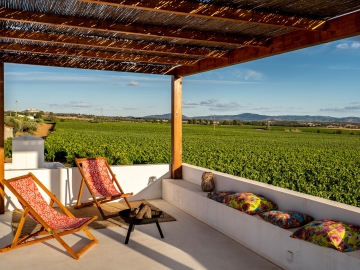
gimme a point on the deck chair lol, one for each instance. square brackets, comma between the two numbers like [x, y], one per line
[53, 224]
[100, 180]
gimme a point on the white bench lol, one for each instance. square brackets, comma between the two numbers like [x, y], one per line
[270, 241]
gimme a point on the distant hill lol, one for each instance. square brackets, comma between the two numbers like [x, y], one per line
[259, 117]
[164, 116]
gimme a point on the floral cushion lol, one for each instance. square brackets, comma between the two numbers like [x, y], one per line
[331, 234]
[250, 203]
[219, 196]
[286, 219]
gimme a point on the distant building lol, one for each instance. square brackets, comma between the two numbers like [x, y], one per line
[31, 110]
[350, 126]
[8, 132]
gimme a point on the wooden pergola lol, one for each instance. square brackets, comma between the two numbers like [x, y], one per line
[169, 37]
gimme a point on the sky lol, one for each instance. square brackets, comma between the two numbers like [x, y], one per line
[321, 80]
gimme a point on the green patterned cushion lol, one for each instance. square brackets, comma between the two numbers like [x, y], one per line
[250, 203]
[331, 234]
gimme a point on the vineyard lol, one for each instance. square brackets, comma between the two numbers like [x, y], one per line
[320, 164]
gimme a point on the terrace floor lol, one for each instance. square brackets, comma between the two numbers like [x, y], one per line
[188, 244]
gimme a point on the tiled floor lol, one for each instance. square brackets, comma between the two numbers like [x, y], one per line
[188, 244]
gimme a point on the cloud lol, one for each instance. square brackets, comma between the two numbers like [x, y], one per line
[354, 45]
[214, 105]
[133, 83]
[221, 82]
[342, 46]
[127, 109]
[342, 109]
[72, 104]
[101, 77]
[248, 74]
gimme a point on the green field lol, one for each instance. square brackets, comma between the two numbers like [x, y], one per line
[320, 164]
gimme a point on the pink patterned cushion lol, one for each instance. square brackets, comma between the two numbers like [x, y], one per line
[98, 178]
[29, 191]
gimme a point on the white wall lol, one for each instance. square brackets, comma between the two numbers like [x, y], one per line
[268, 240]
[286, 199]
[65, 182]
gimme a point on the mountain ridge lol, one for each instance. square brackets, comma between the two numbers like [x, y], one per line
[259, 117]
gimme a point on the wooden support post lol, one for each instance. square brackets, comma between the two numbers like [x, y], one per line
[176, 127]
[2, 158]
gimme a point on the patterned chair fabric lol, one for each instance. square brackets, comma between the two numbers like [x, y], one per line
[31, 194]
[98, 178]
[54, 225]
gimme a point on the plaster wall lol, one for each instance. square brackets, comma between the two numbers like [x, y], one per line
[271, 242]
[65, 182]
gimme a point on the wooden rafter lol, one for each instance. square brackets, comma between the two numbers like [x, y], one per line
[119, 27]
[209, 11]
[61, 62]
[338, 28]
[110, 44]
[113, 56]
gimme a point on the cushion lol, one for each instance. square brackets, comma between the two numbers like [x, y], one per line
[286, 219]
[331, 234]
[250, 203]
[219, 196]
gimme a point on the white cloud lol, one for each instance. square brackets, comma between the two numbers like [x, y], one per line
[40, 77]
[342, 109]
[253, 75]
[355, 45]
[248, 74]
[127, 109]
[214, 105]
[342, 46]
[133, 83]
[72, 104]
[221, 82]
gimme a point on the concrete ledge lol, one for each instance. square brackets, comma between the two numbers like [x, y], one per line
[267, 240]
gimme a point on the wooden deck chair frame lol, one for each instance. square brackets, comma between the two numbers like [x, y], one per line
[100, 200]
[45, 229]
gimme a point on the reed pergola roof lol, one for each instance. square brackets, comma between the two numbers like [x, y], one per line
[173, 37]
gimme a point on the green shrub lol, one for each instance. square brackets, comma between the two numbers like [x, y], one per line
[8, 148]
[13, 122]
[30, 127]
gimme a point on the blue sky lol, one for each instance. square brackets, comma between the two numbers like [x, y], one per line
[322, 80]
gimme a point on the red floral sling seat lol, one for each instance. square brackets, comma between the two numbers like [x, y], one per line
[98, 178]
[54, 225]
[102, 184]
[31, 194]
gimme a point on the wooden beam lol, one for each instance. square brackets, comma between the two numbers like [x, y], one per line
[2, 152]
[176, 127]
[216, 12]
[113, 56]
[338, 28]
[103, 43]
[126, 28]
[84, 64]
